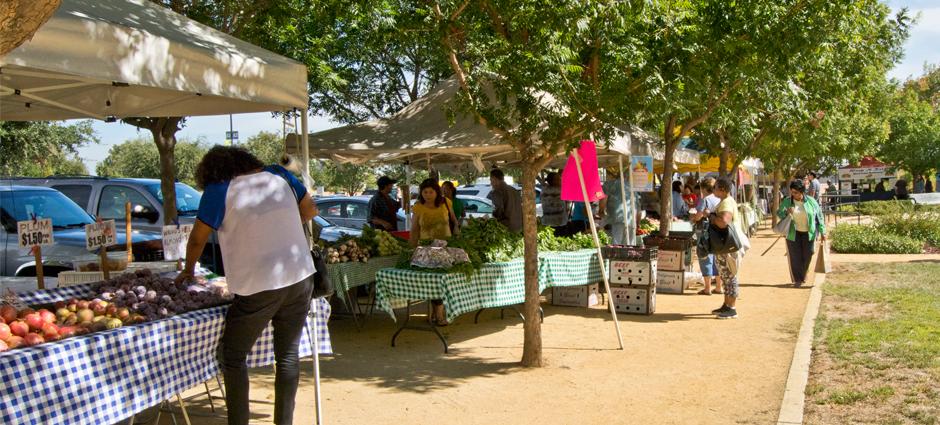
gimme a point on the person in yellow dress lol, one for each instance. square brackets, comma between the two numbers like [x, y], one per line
[433, 218]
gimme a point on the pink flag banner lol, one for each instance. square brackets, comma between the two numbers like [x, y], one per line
[570, 181]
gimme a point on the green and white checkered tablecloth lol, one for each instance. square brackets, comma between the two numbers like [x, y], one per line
[346, 276]
[494, 285]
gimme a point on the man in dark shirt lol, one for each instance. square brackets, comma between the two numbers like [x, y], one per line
[383, 210]
[507, 202]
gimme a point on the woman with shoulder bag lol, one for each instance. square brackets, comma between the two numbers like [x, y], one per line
[433, 218]
[806, 224]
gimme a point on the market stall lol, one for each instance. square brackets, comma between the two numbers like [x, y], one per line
[117, 59]
[495, 285]
[109, 375]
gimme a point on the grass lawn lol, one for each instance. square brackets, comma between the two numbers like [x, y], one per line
[876, 355]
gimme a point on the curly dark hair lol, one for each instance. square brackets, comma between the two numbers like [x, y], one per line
[223, 163]
[431, 184]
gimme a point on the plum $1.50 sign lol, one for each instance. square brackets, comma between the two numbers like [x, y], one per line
[175, 239]
[36, 232]
[100, 235]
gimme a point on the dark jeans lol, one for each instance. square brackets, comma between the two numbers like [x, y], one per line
[800, 252]
[286, 309]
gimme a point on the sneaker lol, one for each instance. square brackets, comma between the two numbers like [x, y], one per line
[728, 314]
[723, 309]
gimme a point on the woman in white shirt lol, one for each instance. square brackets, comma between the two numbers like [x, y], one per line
[807, 224]
[257, 211]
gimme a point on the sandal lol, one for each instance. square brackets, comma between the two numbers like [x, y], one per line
[704, 292]
[718, 291]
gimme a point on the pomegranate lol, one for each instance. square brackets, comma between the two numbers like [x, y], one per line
[19, 328]
[50, 332]
[15, 342]
[3, 346]
[34, 339]
[47, 316]
[5, 332]
[34, 320]
[67, 331]
[8, 314]
[26, 311]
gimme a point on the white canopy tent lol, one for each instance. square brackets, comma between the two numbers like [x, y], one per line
[430, 131]
[115, 59]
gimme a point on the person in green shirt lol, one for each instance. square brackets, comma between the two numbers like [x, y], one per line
[450, 192]
[806, 225]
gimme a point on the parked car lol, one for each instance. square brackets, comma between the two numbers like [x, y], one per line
[483, 191]
[19, 203]
[104, 198]
[476, 207]
[349, 211]
[330, 232]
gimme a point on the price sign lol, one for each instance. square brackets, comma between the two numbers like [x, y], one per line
[35, 232]
[100, 235]
[175, 239]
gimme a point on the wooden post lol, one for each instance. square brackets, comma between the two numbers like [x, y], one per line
[597, 244]
[127, 232]
[103, 255]
[40, 280]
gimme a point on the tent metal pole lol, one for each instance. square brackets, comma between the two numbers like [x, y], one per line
[597, 244]
[631, 232]
[305, 144]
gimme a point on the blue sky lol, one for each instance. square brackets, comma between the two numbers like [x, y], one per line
[920, 48]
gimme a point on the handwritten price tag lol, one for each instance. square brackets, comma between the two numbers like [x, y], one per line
[35, 232]
[98, 235]
[175, 240]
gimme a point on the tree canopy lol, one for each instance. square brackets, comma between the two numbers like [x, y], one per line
[139, 158]
[42, 148]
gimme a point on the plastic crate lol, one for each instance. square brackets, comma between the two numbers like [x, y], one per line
[670, 243]
[629, 253]
[70, 278]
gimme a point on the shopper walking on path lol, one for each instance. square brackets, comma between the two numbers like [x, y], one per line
[707, 205]
[729, 265]
[814, 189]
[806, 224]
[257, 212]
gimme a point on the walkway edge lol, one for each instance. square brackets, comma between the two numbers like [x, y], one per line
[794, 397]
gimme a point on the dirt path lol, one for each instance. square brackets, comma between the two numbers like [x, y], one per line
[680, 366]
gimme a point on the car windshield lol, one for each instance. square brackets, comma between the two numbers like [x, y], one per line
[322, 222]
[187, 198]
[22, 205]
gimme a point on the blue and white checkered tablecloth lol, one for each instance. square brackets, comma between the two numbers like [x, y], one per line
[107, 376]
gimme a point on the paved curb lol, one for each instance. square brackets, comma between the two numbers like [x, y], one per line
[794, 397]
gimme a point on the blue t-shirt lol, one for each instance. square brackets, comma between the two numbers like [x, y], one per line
[579, 213]
[212, 204]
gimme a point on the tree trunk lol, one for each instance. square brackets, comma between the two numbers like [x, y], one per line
[532, 343]
[20, 19]
[164, 135]
[665, 189]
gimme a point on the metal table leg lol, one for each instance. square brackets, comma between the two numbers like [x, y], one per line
[428, 328]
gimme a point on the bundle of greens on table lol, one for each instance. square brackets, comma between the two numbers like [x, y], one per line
[487, 241]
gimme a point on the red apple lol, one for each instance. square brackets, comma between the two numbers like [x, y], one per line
[47, 316]
[5, 332]
[19, 328]
[82, 304]
[8, 314]
[50, 332]
[60, 304]
[99, 308]
[111, 310]
[34, 320]
[26, 311]
[3, 346]
[34, 339]
[15, 342]
[71, 320]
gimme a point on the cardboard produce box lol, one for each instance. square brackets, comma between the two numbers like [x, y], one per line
[671, 260]
[576, 296]
[637, 273]
[669, 282]
[634, 299]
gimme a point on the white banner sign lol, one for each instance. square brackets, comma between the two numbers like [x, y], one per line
[864, 173]
[175, 239]
[100, 235]
[35, 232]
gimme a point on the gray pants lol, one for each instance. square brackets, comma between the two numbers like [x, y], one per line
[800, 252]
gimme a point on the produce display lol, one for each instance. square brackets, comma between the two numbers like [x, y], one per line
[438, 255]
[348, 251]
[127, 299]
[388, 244]
[647, 226]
